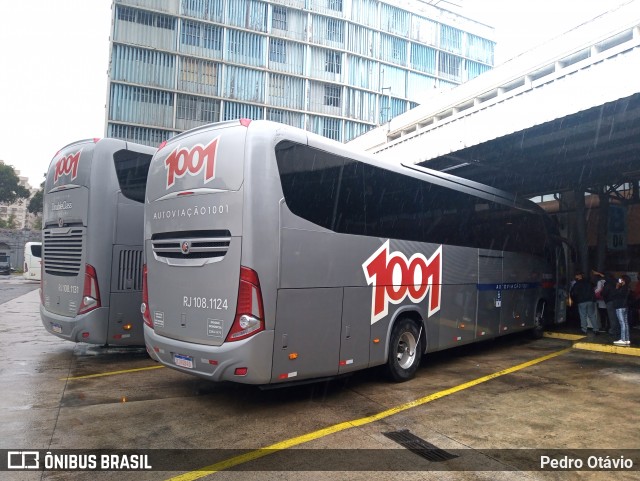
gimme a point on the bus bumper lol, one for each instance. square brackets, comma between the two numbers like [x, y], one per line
[216, 363]
[90, 327]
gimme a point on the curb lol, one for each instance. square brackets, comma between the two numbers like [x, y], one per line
[591, 346]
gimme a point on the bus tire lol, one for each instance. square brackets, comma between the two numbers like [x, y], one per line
[405, 352]
[538, 321]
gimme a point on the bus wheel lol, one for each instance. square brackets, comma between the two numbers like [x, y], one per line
[538, 321]
[404, 351]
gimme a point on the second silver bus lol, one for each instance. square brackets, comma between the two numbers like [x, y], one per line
[92, 242]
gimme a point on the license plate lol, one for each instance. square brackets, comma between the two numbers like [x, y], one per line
[183, 361]
[56, 328]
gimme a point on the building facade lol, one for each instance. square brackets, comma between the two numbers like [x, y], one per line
[18, 212]
[334, 67]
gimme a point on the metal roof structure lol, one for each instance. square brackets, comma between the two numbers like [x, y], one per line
[562, 116]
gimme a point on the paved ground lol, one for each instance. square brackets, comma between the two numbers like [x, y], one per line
[478, 403]
[15, 285]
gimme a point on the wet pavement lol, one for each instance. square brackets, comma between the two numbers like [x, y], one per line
[15, 285]
[477, 403]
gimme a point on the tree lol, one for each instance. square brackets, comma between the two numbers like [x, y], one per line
[35, 204]
[10, 188]
[10, 223]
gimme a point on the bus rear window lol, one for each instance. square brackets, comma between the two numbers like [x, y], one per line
[132, 169]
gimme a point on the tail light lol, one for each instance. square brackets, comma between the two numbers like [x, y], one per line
[144, 307]
[90, 292]
[249, 318]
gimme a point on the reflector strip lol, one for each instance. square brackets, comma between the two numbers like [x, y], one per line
[288, 375]
[346, 362]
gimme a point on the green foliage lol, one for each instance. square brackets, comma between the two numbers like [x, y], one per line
[10, 223]
[37, 224]
[35, 204]
[10, 188]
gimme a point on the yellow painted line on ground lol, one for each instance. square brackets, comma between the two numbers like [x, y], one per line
[111, 373]
[567, 337]
[305, 438]
[589, 346]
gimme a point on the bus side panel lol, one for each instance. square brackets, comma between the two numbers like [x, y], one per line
[521, 288]
[307, 334]
[356, 329]
[489, 302]
[457, 315]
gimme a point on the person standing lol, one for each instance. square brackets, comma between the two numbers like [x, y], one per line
[584, 297]
[621, 299]
[607, 294]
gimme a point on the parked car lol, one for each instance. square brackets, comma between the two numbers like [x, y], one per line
[5, 265]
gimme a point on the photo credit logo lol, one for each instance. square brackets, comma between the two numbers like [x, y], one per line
[23, 460]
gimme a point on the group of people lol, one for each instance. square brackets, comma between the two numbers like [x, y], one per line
[611, 297]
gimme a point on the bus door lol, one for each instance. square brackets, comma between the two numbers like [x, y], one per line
[489, 293]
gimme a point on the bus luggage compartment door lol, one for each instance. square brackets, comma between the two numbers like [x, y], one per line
[307, 333]
[489, 293]
[356, 329]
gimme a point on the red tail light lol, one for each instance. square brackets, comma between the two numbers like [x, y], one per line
[144, 307]
[249, 318]
[90, 292]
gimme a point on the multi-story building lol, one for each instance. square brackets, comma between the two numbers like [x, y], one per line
[334, 67]
[18, 211]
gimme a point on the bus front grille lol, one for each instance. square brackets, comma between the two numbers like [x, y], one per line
[62, 253]
[191, 244]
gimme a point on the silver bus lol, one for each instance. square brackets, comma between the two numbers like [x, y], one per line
[92, 233]
[274, 255]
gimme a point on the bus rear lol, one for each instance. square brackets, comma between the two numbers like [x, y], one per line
[203, 307]
[92, 235]
[32, 261]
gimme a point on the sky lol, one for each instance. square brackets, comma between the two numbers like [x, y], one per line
[54, 57]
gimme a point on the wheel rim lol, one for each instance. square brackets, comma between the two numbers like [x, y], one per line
[406, 350]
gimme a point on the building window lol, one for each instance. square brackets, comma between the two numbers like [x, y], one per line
[332, 95]
[334, 30]
[191, 33]
[275, 115]
[277, 50]
[335, 5]
[126, 14]
[331, 128]
[333, 62]
[212, 37]
[279, 18]
[277, 86]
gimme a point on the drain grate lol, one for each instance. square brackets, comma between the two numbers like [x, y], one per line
[419, 446]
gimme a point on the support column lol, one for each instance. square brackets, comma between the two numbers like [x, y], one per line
[581, 230]
[603, 223]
